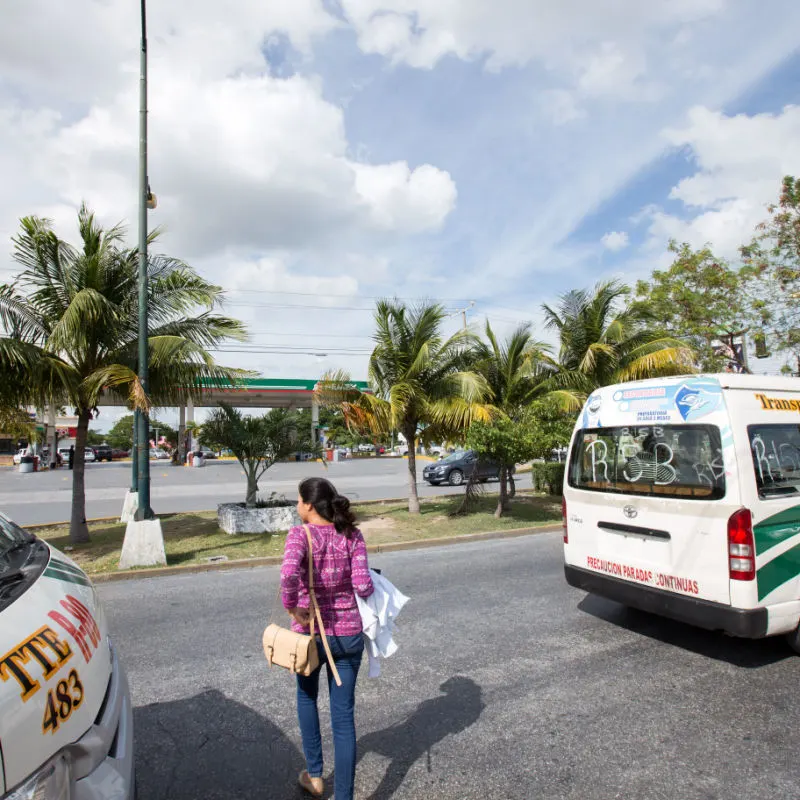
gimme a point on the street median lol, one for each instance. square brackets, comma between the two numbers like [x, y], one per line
[194, 542]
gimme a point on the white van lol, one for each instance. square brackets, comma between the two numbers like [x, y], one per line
[682, 498]
[66, 722]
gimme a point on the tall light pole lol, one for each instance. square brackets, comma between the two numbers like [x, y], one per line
[142, 422]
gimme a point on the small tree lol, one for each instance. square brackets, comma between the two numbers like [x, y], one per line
[505, 442]
[94, 438]
[699, 299]
[120, 437]
[257, 442]
[17, 422]
[774, 257]
[548, 425]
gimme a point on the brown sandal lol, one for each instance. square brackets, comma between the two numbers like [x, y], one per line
[314, 786]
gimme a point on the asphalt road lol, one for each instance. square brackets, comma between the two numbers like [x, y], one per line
[508, 684]
[46, 496]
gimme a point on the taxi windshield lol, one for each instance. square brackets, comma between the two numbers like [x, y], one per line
[11, 536]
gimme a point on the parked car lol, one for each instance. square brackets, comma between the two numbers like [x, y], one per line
[366, 448]
[459, 467]
[88, 454]
[158, 454]
[207, 452]
[119, 452]
[103, 452]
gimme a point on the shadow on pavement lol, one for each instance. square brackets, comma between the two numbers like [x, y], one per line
[414, 737]
[211, 747]
[747, 653]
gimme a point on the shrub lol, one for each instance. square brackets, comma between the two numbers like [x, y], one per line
[273, 500]
[548, 477]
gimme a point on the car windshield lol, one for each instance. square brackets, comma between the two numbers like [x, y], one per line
[11, 535]
[682, 461]
[776, 459]
[453, 457]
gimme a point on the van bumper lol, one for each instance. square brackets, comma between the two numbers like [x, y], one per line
[745, 623]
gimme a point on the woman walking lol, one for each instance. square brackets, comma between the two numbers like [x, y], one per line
[341, 571]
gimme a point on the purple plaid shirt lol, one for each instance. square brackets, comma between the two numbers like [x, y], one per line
[340, 571]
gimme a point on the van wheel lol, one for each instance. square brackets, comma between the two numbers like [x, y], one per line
[793, 639]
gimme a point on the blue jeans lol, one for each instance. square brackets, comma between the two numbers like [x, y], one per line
[347, 652]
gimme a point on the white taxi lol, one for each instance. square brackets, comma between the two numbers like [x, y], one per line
[66, 722]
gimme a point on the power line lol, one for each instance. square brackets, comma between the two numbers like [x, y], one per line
[241, 304]
[244, 347]
[327, 335]
[291, 352]
[388, 296]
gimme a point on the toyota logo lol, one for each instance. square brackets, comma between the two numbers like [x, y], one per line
[630, 512]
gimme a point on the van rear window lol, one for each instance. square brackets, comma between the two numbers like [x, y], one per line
[682, 461]
[776, 459]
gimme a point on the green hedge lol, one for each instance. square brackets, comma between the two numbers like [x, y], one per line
[548, 478]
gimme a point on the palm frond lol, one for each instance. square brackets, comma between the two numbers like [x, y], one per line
[119, 380]
[660, 361]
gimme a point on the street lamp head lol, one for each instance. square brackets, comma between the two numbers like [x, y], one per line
[152, 200]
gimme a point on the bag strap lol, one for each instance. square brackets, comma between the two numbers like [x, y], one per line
[316, 611]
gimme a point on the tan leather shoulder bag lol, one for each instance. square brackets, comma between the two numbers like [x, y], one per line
[298, 652]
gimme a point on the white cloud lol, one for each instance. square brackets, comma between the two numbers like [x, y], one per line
[240, 159]
[400, 198]
[615, 241]
[267, 169]
[514, 32]
[740, 163]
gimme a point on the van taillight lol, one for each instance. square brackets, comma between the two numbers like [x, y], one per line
[741, 547]
[564, 518]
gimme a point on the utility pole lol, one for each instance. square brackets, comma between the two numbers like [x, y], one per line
[463, 312]
[143, 545]
[142, 422]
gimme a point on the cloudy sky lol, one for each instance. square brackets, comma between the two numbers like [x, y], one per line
[312, 155]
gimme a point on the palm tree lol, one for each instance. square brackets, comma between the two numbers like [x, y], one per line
[71, 328]
[604, 340]
[513, 370]
[422, 382]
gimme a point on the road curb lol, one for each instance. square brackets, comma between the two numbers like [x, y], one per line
[272, 561]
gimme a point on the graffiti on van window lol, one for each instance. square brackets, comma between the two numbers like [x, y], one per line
[598, 453]
[654, 467]
[709, 472]
[655, 462]
[772, 461]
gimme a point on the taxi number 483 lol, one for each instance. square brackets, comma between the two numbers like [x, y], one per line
[62, 700]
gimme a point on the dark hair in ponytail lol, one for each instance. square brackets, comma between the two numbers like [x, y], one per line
[329, 504]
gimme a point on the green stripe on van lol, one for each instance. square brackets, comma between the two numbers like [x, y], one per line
[778, 571]
[67, 577]
[776, 529]
[65, 567]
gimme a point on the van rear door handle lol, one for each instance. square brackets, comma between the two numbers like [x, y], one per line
[618, 527]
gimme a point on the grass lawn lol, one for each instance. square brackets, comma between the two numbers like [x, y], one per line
[194, 538]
